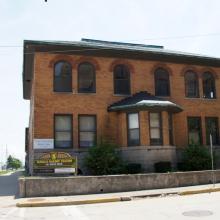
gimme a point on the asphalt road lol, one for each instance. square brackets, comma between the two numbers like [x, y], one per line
[205, 206]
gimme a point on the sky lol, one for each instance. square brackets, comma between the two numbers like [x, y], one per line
[183, 25]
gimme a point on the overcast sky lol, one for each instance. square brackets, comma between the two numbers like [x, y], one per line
[159, 22]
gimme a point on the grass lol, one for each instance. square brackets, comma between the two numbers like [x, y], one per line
[3, 172]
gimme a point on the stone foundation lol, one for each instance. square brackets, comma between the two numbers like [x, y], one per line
[147, 156]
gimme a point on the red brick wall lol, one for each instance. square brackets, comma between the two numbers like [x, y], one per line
[113, 125]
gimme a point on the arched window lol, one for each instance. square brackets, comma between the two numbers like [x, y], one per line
[121, 80]
[162, 84]
[208, 85]
[62, 77]
[86, 78]
[191, 85]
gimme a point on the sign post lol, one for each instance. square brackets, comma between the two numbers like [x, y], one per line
[212, 160]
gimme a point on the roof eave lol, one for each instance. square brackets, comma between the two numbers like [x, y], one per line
[128, 108]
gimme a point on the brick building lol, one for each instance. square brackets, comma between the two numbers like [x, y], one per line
[148, 100]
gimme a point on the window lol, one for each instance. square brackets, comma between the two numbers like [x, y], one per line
[133, 129]
[194, 130]
[155, 129]
[62, 77]
[211, 124]
[162, 84]
[87, 130]
[63, 131]
[86, 78]
[170, 121]
[121, 80]
[208, 86]
[191, 85]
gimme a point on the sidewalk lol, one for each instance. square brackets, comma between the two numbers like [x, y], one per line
[114, 197]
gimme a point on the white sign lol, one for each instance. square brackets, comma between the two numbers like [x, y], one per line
[64, 170]
[43, 143]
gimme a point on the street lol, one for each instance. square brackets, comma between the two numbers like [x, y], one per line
[173, 207]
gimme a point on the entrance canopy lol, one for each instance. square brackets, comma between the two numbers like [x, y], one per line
[144, 101]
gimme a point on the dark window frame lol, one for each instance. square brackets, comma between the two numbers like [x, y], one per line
[205, 96]
[207, 133]
[128, 80]
[187, 86]
[27, 139]
[71, 130]
[157, 79]
[79, 131]
[170, 122]
[154, 143]
[94, 79]
[129, 143]
[200, 130]
[54, 80]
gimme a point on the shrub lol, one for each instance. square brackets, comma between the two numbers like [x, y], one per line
[132, 168]
[103, 159]
[196, 158]
[162, 167]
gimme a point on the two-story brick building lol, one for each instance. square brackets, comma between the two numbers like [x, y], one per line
[148, 100]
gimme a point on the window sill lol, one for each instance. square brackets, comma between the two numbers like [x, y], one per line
[63, 92]
[163, 97]
[120, 95]
[85, 93]
[199, 98]
[75, 93]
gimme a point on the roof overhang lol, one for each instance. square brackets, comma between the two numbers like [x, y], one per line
[148, 105]
[90, 48]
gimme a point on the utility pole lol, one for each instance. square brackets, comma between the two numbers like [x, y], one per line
[6, 154]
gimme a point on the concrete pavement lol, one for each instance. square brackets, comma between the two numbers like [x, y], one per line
[162, 208]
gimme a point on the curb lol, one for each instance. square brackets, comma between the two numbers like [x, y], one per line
[47, 203]
[185, 193]
[71, 202]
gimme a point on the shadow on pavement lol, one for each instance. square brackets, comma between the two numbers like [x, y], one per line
[9, 184]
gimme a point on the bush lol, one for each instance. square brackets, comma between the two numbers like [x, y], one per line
[132, 168]
[103, 159]
[162, 167]
[196, 158]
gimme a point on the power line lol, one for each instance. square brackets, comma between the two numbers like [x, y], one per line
[184, 36]
[158, 38]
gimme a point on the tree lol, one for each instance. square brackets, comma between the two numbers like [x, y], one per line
[13, 163]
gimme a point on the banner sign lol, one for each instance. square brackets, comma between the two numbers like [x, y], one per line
[55, 162]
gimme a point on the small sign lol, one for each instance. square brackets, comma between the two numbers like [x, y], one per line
[64, 170]
[60, 162]
[43, 143]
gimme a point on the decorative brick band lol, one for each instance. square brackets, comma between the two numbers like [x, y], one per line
[84, 59]
[121, 62]
[189, 68]
[61, 57]
[210, 70]
[162, 66]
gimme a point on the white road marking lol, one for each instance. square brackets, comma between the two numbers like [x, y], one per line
[73, 211]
